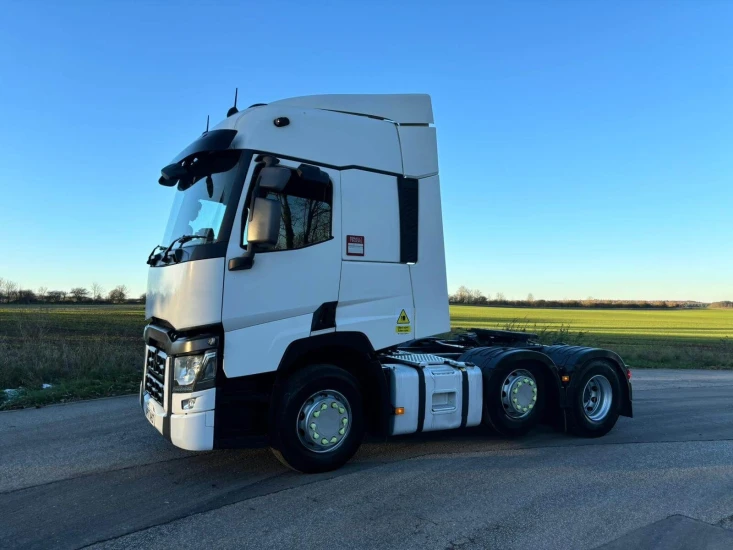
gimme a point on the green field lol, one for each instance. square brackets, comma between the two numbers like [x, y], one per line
[677, 338]
[83, 351]
[97, 350]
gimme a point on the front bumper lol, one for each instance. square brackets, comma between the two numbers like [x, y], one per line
[192, 431]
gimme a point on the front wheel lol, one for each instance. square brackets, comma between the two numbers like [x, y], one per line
[320, 421]
[594, 407]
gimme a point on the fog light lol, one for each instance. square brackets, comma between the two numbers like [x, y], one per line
[188, 404]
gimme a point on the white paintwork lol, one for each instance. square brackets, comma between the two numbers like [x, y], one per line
[187, 295]
[475, 396]
[443, 397]
[400, 108]
[205, 401]
[260, 348]
[419, 151]
[429, 283]
[371, 209]
[371, 298]
[403, 393]
[324, 137]
[193, 432]
[267, 307]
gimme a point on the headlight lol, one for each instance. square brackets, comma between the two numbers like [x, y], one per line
[194, 370]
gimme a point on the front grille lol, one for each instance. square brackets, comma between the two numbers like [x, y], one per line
[155, 373]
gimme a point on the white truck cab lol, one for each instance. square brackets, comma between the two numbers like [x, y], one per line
[296, 294]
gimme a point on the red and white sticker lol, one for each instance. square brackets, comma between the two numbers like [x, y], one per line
[354, 245]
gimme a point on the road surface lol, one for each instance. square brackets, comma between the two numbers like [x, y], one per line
[96, 474]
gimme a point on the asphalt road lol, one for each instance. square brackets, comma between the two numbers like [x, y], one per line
[96, 474]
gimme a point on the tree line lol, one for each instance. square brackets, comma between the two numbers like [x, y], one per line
[12, 292]
[469, 296]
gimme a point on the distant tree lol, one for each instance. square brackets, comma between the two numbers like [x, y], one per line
[144, 297]
[11, 291]
[476, 297]
[63, 294]
[530, 297]
[97, 292]
[55, 295]
[41, 293]
[462, 295]
[26, 296]
[500, 297]
[118, 294]
[79, 293]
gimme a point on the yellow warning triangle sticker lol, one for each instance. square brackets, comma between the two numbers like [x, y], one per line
[403, 319]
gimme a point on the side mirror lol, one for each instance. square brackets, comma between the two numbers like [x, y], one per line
[274, 178]
[264, 222]
[264, 226]
[170, 175]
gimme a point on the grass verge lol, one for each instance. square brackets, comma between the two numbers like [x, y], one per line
[65, 392]
[83, 352]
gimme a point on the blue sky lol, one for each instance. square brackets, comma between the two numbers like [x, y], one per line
[586, 148]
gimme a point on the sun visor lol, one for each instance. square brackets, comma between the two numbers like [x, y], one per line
[209, 142]
[215, 140]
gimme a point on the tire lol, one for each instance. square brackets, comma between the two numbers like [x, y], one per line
[498, 413]
[589, 418]
[299, 407]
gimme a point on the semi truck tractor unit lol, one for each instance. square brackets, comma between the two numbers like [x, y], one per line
[298, 296]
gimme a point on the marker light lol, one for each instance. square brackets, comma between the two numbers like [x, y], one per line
[628, 374]
[565, 378]
[398, 411]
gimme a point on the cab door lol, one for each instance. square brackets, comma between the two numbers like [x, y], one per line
[267, 307]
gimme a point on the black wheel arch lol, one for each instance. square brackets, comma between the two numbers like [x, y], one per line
[573, 360]
[488, 359]
[351, 351]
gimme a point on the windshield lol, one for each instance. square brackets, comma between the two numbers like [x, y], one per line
[201, 209]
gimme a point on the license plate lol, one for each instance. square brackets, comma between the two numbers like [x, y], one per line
[150, 413]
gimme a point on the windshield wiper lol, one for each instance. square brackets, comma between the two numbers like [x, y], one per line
[183, 239]
[153, 257]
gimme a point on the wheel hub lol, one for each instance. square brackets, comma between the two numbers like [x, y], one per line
[597, 398]
[519, 393]
[324, 421]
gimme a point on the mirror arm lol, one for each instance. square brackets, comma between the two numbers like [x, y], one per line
[246, 260]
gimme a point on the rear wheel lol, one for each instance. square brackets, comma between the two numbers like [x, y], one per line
[319, 422]
[594, 407]
[514, 399]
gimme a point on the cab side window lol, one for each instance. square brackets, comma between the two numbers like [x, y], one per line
[306, 214]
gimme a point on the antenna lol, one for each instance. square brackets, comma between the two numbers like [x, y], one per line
[233, 110]
[207, 124]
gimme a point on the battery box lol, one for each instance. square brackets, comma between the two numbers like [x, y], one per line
[433, 393]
